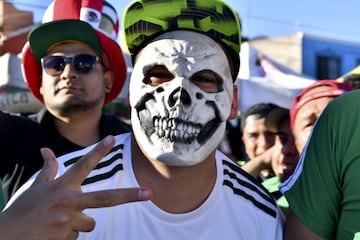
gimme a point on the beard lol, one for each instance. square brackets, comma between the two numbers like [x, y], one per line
[76, 105]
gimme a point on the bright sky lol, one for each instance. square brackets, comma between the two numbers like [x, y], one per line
[336, 19]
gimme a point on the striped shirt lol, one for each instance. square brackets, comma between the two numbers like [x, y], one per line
[237, 208]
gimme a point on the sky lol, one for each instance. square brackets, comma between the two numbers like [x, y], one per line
[334, 19]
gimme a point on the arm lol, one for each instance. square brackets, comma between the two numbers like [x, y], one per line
[52, 209]
[294, 225]
[263, 161]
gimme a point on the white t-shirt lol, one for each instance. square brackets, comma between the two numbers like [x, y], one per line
[237, 208]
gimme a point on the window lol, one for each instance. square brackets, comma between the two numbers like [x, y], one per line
[328, 67]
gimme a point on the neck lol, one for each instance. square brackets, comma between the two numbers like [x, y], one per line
[81, 128]
[175, 189]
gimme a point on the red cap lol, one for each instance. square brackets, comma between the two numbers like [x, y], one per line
[94, 23]
[338, 89]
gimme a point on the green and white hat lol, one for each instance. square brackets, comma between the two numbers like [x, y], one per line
[143, 20]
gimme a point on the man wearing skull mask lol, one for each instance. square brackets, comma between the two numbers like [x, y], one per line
[186, 56]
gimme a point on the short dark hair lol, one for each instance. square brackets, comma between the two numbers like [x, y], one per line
[259, 110]
[353, 80]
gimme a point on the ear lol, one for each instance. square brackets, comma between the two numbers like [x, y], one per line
[41, 89]
[234, 105]
[108, 80]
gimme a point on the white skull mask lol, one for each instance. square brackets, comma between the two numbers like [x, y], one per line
[177, 122]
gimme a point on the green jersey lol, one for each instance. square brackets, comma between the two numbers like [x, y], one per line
[324, 190]
[272, 185]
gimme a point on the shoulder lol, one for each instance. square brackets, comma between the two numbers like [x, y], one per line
[16, 126]
[112, 125]
[13, 118]
[348, 102]
[106, 169]
[69, 159]
[243, 185]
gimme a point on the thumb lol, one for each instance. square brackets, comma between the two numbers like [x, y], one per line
[50, 167]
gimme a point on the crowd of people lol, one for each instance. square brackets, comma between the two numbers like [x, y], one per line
[73, 172]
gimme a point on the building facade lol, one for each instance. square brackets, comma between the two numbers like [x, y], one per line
[317, 57]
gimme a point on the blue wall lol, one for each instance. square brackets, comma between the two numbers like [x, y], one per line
[348, 53]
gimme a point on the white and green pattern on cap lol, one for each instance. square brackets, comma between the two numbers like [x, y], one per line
[145, 19]
[109, 21]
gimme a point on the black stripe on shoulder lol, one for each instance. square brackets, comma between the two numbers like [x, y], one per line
[109, 162]
[235, 173]
[75, 159]
[103, 176]
[102, 164]
[71, 161]
[251, 179]
[258, 204]
[233, 167]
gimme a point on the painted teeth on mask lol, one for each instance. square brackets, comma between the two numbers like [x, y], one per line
[147, 125]
[176, 130]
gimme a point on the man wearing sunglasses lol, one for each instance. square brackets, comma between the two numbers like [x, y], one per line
[74, 67]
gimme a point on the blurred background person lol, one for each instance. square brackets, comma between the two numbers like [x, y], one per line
[353, 80]
[308, 105]
[285, 155]
[258, 141]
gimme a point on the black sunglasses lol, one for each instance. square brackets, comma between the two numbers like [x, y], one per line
[82, 63]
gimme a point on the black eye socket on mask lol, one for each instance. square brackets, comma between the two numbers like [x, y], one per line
[156, 75]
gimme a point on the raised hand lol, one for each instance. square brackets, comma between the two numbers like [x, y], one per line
[52, 209]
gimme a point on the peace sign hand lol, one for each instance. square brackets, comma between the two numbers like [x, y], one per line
[52, 209]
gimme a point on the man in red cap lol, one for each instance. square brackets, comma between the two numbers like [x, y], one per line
[323, 191]
[308, 105]
[298, 123]
[73, 64]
